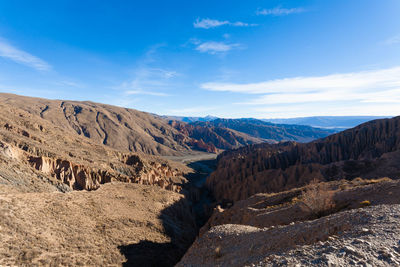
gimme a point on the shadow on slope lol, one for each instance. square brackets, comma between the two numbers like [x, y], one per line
[151, 254]
[182, 221]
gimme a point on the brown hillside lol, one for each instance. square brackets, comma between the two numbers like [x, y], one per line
[117, 224]
[218, 137]
[368, 151]
[120, 128]
[49, 151]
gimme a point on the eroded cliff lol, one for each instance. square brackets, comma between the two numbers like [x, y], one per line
[368, 151]
[76, 161]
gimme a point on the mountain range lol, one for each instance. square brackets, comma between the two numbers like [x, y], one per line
[136, 131]
[335, 123]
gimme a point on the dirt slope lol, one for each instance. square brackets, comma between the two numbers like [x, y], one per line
[138, 224]
[363, 237]
[306, 203]
[120, 128]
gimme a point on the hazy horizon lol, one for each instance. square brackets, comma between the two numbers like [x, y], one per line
[230, 59]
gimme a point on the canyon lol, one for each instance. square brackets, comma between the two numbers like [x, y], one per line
[90, 184]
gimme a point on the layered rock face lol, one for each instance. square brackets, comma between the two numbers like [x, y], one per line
[79, 163]
[368, 151]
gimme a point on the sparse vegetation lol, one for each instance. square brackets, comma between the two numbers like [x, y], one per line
[365, 203]
[218, 253]
[318, 198]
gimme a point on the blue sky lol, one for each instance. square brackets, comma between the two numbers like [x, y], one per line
[256, 58]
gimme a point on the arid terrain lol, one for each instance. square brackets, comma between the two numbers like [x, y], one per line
[69, 200]
[369, 150]
[317, 204]
[86, 184]
[118, 223]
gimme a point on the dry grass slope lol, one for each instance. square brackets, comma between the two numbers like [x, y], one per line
[103, 227]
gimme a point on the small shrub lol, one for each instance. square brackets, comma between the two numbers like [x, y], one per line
[295, 200]
[218, 253]
[365, 203]
[318, 198]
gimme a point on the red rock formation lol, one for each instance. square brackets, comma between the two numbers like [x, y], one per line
[214, 137]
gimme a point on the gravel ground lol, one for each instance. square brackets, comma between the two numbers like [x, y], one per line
[359, 237]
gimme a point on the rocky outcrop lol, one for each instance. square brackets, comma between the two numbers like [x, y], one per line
[131, 169]
[367, 236]
[368, 151]
[76, 176]
[77, 162]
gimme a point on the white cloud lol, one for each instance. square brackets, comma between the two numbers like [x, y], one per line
[213, 23]
[209, 23]
[192, 111]
[279, 11]
[326, 109]
[141, 92]
[212, 47]
[10, 52]
[355, 81]
[148, 81]
[70, 84]
[393, 40]
[366, 92]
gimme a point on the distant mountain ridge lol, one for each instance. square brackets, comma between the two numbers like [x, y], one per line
[211, 138]
[268, 131]
[336, 123]
[331, 122]
[234, 133]
[369, 150]
[190, 119]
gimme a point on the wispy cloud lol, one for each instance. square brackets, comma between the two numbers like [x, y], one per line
[69, 84]
[148, 81]
[392, 40]
[19, 56]
[141, 92]
[376, 86]
[191, 111]
[279, 11]
[213, 23]
[212, 47]
[324, 109]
